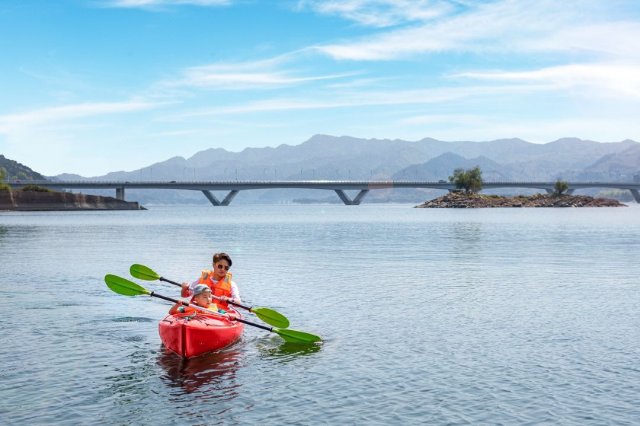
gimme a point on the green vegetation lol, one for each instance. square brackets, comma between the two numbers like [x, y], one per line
[561, 187]
[17, 171]
[470, 180]
[3, 186]
[35, 188]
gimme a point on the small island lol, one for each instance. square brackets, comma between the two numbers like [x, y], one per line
[469, 183]
[38, 198]
[60, 201]
[464, 200]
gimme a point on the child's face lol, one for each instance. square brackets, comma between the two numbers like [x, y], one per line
[203, 299]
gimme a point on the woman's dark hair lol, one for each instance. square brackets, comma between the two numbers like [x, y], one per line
[222, 256]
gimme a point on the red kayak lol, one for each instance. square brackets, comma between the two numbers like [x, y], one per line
[190, 336]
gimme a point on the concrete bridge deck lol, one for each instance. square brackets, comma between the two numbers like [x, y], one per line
[339, 186]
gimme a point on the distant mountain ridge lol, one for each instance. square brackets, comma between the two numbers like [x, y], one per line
[330, 157]
[344, 157]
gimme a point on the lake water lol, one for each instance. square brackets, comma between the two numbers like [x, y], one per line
[438, 316]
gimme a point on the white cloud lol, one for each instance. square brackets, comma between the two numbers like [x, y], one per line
[12, 122]
[246, 75]
[77, 136]
[159, 3]
[448, 119]
[503, 26]
[212, 78]
[370, 99]
[380, 13]
[617, 39]
[598, 79]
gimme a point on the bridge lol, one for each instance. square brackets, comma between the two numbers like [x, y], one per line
[339, 186]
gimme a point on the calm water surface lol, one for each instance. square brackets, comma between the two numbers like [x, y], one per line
[493, 316]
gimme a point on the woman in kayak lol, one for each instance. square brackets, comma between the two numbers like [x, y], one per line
[219, 281]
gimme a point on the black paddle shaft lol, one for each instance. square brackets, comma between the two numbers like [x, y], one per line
[153, 294]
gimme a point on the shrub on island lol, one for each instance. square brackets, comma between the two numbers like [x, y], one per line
[35, 188]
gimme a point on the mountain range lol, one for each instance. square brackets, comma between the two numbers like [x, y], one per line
[343, 158]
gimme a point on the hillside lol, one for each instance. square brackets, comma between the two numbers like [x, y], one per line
[15, 170]
[441, 167]
[616, 166]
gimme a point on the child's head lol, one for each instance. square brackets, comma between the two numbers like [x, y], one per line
[201, 296]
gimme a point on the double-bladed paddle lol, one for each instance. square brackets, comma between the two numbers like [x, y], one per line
[129, 288]
[265, 314]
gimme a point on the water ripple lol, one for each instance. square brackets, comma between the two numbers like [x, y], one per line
[438, 317]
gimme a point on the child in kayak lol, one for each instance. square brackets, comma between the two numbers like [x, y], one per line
[218, 280]
[201, 297]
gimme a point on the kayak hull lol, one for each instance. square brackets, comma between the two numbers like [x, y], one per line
[192, 336]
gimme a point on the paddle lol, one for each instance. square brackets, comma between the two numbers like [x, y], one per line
[128, 288]
[265, 314]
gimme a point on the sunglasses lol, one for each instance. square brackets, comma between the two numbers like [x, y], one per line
[221, 266]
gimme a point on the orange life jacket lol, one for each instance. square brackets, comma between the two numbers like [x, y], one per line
[182, 310]
[186, 310]
[220, 288]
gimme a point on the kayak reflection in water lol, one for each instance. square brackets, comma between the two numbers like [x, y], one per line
[218, 280]
[213, 375]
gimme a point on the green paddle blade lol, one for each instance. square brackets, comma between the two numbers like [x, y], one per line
[143, 272]
[123, 286]
[293, 336]
[271, 317]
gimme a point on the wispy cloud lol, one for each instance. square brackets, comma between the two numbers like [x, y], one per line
[602, 78]
[150, 4]
[267, 73]
[380, 13]
[607, 39]
[69, 112]
[430, 119]
[212, 78]
[368, 99]
[501, 26]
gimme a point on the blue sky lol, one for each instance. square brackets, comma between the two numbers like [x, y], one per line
[92, 86]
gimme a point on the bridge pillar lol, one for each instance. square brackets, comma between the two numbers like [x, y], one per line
[225, 202]
[212, 198]
[348, 201]
[636, 195]
[120, 193]
[230, 196]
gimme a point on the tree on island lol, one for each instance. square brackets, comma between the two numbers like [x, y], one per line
[470, 180]
[561, 187]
